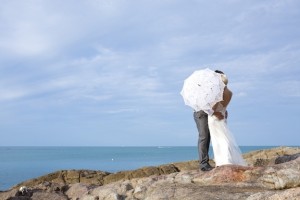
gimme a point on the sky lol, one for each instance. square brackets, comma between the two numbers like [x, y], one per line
[110, 72]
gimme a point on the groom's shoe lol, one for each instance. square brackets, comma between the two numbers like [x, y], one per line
[206, 167]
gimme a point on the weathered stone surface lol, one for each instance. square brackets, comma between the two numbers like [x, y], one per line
[282, 176]
[225, 182]
[8, 194]
[40, 195]
[77, 191]
[286, 158]
[225, 174]
[92, 177]
[140, 173]
[289, 194]
[183, 180]
[68, 177]
[268, 156]
[35, 194]
[189, 165]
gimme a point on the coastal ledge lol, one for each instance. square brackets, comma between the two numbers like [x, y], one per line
[271, 174]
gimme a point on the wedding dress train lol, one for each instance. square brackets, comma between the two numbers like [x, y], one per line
[225, 149]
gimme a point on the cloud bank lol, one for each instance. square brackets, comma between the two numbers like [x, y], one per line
[117, 67]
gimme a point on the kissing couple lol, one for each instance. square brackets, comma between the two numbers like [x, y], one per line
[210, 115]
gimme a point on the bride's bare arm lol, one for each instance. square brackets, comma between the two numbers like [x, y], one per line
[216, 113]
[226, 97]
[219, 115]
[215, 106]
[227, 94]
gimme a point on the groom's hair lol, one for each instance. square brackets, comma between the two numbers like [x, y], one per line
[223, 76]
[218, 71]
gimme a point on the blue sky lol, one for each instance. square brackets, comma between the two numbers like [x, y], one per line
[110, 72]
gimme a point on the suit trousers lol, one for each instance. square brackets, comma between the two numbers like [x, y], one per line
[201, 120]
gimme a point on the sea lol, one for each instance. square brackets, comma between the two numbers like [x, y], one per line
[18, 164]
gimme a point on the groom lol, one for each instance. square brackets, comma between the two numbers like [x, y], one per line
[200, 118]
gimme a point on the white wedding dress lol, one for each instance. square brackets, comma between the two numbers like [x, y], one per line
[225, 149]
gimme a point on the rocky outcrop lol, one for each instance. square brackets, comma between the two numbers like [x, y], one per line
[99, 178]
[286, 158]
[265, 180]
[266, 157]
[225, 182]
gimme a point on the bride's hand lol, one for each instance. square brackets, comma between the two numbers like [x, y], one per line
[219, 115]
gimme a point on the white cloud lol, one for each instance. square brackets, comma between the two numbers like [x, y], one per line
[117, 57]
[118, 111]
[11, 94]
[98, 97]
[241, 94]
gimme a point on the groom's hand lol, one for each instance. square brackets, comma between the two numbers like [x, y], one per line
[219, 115]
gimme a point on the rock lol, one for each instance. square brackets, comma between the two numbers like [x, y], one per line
[225, 174]
[262, 179]
[225, 182]
[92, 177]
[40, 195]
[77, 191]
[268, 156]
[66, 177]
[286, 158]
[36, 195]
[282, 176]
[8, 194]
[289, 194]
[189, 165]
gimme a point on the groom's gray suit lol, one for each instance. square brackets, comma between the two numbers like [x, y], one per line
[204, 137]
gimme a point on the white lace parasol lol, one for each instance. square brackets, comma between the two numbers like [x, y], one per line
[202, 90]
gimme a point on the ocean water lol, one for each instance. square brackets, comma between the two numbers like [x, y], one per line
[18, 164]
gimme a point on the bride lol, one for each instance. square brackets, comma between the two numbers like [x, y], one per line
[225, 149]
